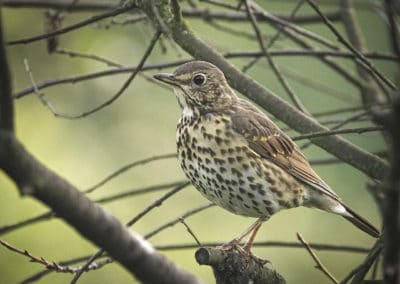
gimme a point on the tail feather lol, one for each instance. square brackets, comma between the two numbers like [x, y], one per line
[361, 222]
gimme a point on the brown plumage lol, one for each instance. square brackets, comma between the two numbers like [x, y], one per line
[238, 158]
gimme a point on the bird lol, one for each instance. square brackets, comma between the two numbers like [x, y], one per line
[239, 159]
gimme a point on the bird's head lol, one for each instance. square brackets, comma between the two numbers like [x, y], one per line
[199, 85]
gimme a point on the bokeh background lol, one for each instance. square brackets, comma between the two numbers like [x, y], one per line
[141, 124]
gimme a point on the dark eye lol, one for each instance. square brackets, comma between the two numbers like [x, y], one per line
[199, 79]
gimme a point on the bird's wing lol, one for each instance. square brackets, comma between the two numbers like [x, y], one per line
[268, 141]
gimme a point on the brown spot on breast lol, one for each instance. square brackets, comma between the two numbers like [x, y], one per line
[284, 203]
[236, 172]
[270, 210]
[250, 178]
[271, 181]
[250, 194]
[219, 161]
[218, 140]
[239, 159]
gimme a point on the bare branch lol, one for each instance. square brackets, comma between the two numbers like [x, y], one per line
[363, 61]
[130, 250]
[51, 265]
[153, 205]
[289, 245]
[190, 231]
[157, 66]
[81, 6]
[392, 199]
[128, 167]
[229, 266]
[124, 86]
[360, 271]
[369, 91]
[319, 264]
[6, 101]
[73, 27]
[85, 6]
[340, 131]
[394, 30]
[177, 220]
[278, 74]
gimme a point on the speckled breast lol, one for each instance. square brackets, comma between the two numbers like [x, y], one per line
[226, 171]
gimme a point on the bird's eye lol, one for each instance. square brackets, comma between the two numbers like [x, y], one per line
[199, 79]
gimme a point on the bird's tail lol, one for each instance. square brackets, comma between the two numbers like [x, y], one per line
[361, 222]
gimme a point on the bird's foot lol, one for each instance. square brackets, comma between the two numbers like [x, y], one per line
[234, 244]
[244, 250]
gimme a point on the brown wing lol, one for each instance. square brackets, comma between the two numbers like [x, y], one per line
[268, 141]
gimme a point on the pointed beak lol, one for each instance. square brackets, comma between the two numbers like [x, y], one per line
[167, 78]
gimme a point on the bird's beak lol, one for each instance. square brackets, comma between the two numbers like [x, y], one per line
[167, 78]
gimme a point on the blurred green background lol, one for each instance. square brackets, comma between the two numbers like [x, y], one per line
[141, 124]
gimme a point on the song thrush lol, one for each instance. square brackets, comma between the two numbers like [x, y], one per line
[238, 158]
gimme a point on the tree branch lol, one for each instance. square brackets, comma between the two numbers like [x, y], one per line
[129, 249]
[231, 267]
[33, 178]
[392, 200]
[76, 26]
[6, 100]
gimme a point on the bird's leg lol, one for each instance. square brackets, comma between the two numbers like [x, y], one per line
[247, 246]
[236, 241]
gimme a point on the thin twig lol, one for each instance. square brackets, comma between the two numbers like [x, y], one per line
[177, 220]
[128, 167]
[94, 75]
[6, 101]
[340, 131]
[29, 221]
[157, 203]
[76, 26]
[88, 56]
[290, 245]
[124, 86]
[316, 84]
[190, 231]
[318, 262]
[394, 29]
[49, 215]
[340, 124]
[133, 192]
[153, 205]
[364, 61]
[363, 268]
[39, 94]
[285, 84]
[273, 39]
[51, 265]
